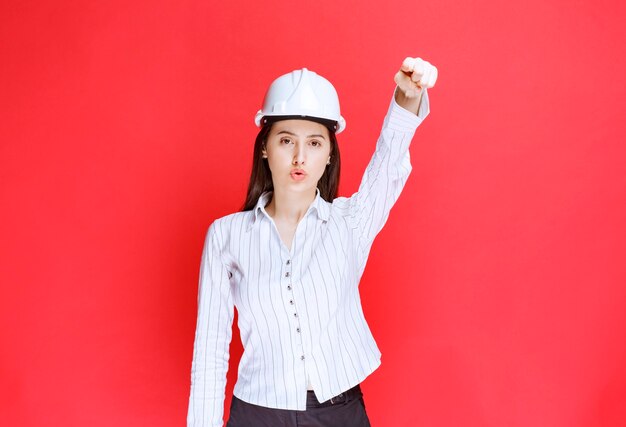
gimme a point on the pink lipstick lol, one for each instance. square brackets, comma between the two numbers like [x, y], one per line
[298, 174]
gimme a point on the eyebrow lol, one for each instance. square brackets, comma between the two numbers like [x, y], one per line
[315, 135]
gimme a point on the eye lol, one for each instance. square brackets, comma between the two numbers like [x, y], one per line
[316, 143]
[285, 140]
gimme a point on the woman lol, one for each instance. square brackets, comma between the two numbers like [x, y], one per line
[291, 262]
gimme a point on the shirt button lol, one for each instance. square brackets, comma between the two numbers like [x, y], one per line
[287, 274]
[291, 301]
[302, 357]
[297, 329]
[295, 314]
[288, 261]
[289, 287]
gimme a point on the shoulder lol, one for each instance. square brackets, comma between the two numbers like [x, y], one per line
[230, 220]
[226, 225]
[340, 206]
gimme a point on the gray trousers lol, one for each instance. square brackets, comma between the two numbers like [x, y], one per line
[345, 410]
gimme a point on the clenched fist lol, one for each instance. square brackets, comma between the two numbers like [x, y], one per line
[414, 75]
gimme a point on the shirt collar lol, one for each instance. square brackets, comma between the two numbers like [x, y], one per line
[319, 205]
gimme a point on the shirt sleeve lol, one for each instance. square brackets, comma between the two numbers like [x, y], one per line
[386, 172]
[212, 339]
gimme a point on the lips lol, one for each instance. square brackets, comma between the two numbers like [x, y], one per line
[298, 174]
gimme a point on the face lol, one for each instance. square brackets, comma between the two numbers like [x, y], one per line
[297, 153]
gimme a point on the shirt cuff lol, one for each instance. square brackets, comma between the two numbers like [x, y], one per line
[402, 120]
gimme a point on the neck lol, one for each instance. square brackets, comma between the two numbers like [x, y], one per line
[289, 206]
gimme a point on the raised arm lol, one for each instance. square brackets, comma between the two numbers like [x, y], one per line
[390, 165]
[212, 339]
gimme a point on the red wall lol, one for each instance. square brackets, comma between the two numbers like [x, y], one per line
[496, 291]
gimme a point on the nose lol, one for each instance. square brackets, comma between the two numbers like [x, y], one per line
[298, 155]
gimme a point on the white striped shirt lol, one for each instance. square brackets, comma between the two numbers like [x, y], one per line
[299, 311]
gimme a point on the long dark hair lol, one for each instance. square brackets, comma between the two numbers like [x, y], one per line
[261, 176]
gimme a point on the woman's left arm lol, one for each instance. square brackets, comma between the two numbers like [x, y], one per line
[390, 165]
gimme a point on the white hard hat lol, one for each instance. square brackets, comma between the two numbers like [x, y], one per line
[302, 93]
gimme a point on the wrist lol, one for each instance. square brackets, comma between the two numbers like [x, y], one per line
[410, 103]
